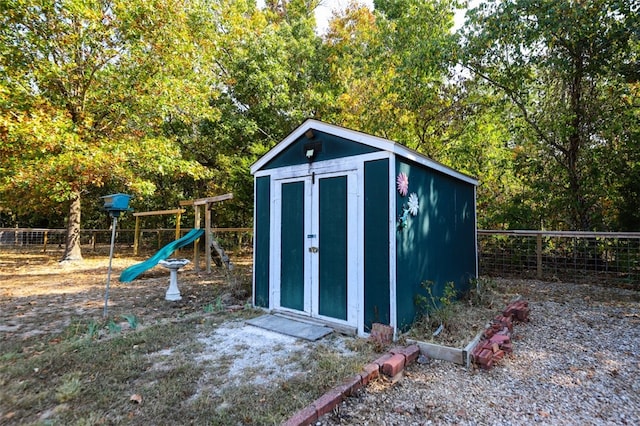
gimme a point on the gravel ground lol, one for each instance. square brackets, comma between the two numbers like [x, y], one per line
[577, 362]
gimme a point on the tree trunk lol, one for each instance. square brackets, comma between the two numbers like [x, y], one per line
[72, 249]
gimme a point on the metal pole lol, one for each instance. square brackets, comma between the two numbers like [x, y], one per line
[113, 237]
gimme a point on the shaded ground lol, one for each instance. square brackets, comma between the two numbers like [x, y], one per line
[150, 361]
[41, 296]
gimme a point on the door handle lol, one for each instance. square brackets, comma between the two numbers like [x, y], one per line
[313, 249]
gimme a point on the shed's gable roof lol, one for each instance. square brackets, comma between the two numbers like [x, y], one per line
[361, 138]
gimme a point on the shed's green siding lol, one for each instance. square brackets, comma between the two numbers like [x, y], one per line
[438, 244]
[332, 237]
[376, 242]
[292, 244]
[262, 241]
[332, 147]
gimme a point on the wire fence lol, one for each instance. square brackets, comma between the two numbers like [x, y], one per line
[99, 240]
[546, 255]
[612, 258]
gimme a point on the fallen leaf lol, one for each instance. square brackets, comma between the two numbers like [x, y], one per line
[461, 413]
[136, 398]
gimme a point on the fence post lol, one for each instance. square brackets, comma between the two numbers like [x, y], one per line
[44, 241]
[136, 236]
[196, 245]
[539, 255]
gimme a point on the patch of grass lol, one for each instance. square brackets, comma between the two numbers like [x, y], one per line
[92, 376]
[85, 375]
[93, 328]
[274, 403]
[114, 328]
[70, 387]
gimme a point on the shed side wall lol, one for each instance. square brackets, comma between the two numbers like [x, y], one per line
[438, 244]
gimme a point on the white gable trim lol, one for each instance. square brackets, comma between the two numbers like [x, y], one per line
[363, 138]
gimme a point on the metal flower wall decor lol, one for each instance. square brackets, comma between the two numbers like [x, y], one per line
[413, 204]
[403, 184]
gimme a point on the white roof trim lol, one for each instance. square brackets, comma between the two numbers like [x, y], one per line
[363, 138]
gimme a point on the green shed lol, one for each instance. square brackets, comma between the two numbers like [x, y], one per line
[347, 227]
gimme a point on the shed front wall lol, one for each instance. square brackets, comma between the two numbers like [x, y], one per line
[367, 209]
[438, 244]
[376, 243]
[261, 241]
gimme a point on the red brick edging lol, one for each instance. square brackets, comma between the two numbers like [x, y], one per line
[496, 339]
[390, 364]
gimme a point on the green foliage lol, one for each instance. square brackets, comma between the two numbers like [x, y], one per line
[132, 320]
[70, 387]
[565, 84]
[114, 328]
[85, 91]
[171, 100]
[93, 328]
[481, 292]
[437, 310]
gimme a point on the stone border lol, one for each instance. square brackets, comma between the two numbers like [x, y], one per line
[391, 364]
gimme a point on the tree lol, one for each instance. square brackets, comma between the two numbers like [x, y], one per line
[389, 69]
[270, 75]
[564, 80]
[85, 90]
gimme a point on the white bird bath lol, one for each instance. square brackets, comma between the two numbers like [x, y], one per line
[173, 292]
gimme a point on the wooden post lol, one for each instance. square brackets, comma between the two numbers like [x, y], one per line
[207, 224]
[539, 255]
[196, 245]
[93, 240]
[44, 248]
[136, 237]
[207, 239]
[178, 216]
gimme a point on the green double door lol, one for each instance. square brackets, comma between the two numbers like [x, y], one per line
[317, 226]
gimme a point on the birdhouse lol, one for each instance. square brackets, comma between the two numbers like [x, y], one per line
[116, 202]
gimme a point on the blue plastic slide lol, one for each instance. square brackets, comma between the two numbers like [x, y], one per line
[132, 272]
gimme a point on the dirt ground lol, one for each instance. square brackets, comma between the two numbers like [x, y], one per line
[192, 359]
[41, 296]
[42, 301]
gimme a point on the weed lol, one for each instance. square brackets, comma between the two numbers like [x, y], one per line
[70, 387]
[93, 328]
[219, 306]
[437, 310]
[113, 327]
[74, 330]
[132, 320]
[481, 292]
